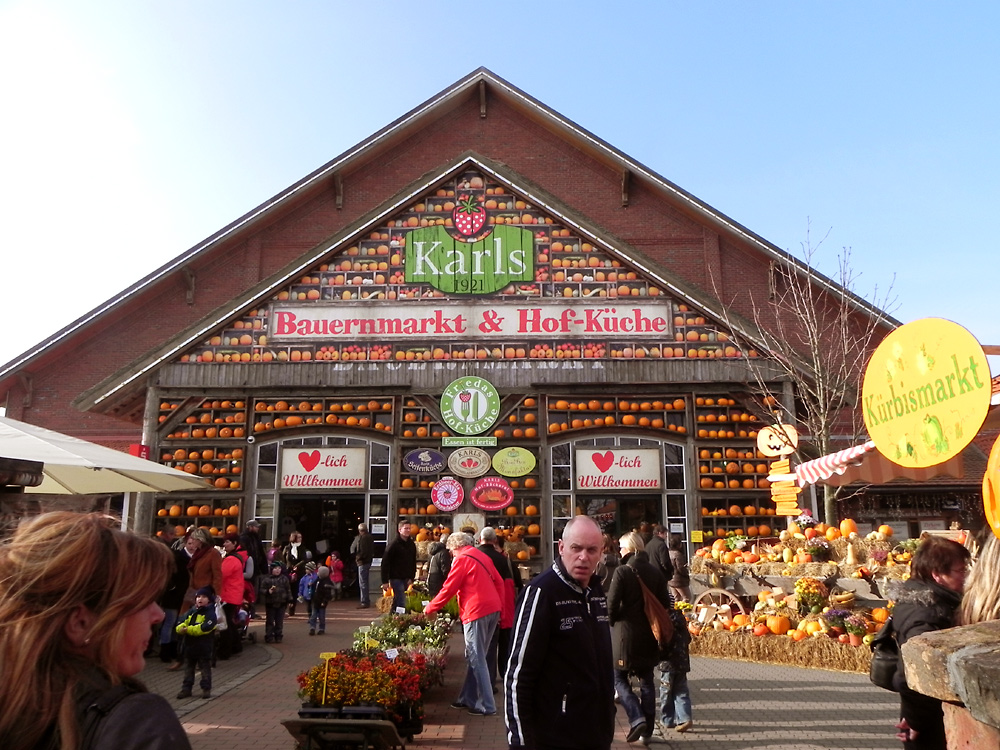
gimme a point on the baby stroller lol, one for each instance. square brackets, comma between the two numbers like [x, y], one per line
[243, 617]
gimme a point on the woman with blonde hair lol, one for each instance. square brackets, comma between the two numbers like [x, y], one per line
[77, 602]
[204, 565]
[635, 649]
[981, 599]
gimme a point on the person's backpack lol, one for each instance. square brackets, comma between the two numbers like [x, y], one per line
[885, 657]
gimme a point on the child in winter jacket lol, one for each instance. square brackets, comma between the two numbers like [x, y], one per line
[675, 696]
[322, 594]
[336, 566]
[198, 629]
[306, 587]
[275, 591]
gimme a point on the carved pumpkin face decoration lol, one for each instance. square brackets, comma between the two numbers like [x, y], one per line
[778, 440]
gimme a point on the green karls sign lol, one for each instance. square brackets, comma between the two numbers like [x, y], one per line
[484, 266]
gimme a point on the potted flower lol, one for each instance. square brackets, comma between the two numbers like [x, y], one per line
[424, 639]
[856, 628]
[835, 620]
[368, 685]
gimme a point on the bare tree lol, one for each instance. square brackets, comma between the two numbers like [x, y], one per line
[821, 335]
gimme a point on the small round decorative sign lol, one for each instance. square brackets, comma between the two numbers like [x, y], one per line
[491, 494]
[469, 462]
[447, 494]
[514, 462]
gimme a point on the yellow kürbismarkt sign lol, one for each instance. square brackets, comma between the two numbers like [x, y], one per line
[926, 392]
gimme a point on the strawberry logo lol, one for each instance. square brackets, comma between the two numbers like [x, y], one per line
[469, 216]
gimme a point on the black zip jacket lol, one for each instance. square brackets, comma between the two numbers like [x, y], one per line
[560, 678]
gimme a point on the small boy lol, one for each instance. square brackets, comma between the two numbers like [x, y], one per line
[322, 594]
[306, 587]
[198, 628]
[275, 592]
[336, 566]
[675, 696]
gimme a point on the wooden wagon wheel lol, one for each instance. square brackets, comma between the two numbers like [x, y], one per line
[720, 597]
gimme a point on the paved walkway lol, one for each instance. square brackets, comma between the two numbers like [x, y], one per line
[736, 704]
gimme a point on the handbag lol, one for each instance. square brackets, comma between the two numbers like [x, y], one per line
[885, 657]
[220, 617]
[660, 621]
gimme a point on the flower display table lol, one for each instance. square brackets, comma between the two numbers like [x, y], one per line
[344, 734]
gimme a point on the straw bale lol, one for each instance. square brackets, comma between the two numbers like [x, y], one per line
[811, 653]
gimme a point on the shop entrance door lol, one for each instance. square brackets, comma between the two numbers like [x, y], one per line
[326, 522]
[618, 515]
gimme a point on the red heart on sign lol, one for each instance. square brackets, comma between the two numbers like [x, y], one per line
[309, 461]
[603, 461]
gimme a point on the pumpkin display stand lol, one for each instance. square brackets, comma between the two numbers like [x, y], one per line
[812, 653]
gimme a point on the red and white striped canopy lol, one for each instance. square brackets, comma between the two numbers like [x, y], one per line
[863, 463]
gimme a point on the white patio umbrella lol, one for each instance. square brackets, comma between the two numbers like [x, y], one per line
[77, 467]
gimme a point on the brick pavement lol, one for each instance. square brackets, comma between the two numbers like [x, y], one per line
[737, 705]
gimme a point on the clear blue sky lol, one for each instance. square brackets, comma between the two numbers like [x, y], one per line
[133, 130]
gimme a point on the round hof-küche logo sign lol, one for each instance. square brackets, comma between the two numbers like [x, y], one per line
[447, 494]
[470, 405]
[469, 462]
[926, 392]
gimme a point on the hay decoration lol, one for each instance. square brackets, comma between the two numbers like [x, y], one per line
[811, 653]
[869, 553]
[424, 550]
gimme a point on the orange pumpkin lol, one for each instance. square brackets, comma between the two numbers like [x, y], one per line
[175, 510]
[885, 529]
[531, 510]
[192, 510]
[848, 527]
[811, 626]
[880, 614]
[205, 510]
[534, 529]
[778, 624]
[761, 629]
[797, 635]
[833, 533]
[741, 620]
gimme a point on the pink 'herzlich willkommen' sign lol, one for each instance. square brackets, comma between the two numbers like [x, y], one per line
[613, 468]
[323, 468]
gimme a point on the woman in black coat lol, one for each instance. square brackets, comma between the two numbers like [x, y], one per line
[635, 649]
[928, 601]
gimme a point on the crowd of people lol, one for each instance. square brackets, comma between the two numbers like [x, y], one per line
[562, 648]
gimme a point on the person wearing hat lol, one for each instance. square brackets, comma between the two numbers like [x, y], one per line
[322, 594]
[275, 592]
[197, 628]
[307, 586]
[231, 594]
[363, 549]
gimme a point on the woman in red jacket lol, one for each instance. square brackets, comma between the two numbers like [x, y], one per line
[231, 594]
[476, 582]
